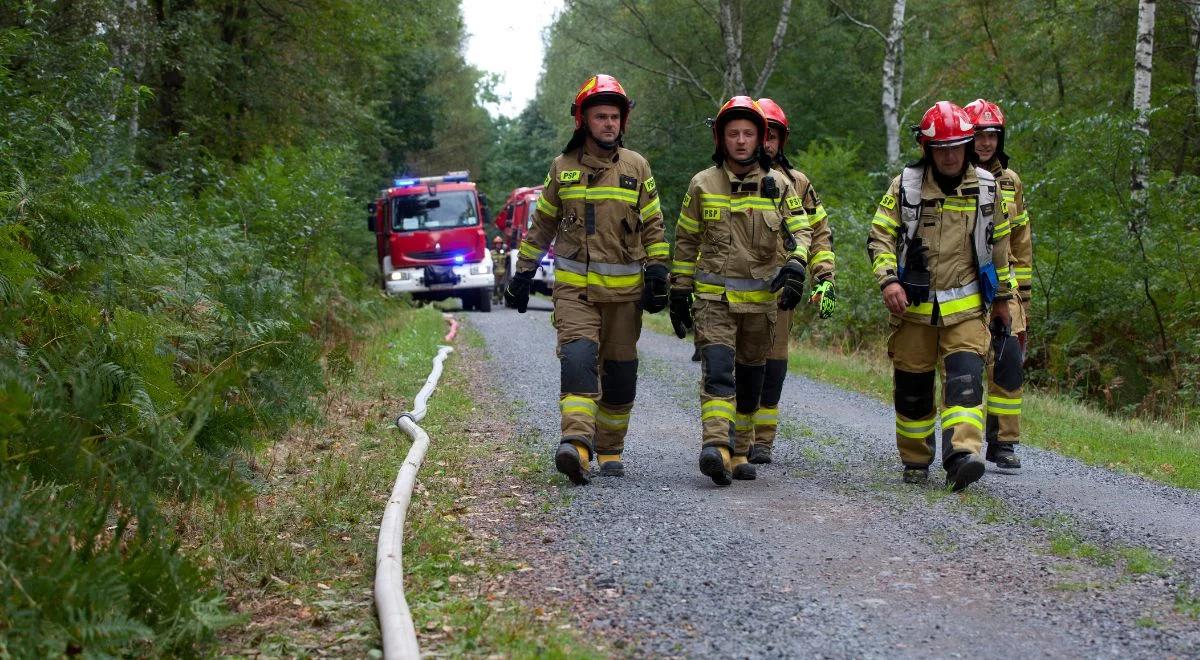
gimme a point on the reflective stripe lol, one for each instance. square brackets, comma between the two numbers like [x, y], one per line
[599, 193]
[919, 429]
[531, 251]
[709, 278]
[1001, 230]
[963, 204]
[714, 199]
[657, 250]
[1024, 274]
[612, 420]
[546, 207]
[1021, 220]
[742, 204]
[998, 405]
[746, 284]
[821, 257]
[749, 296]
[609, 276]
[577, 404]
[795, 223]
[952, 301]
[1008, 195]
[800, 253]
[744, 422]
[687, 224]
[960, 415]
[651, 208]
[570, 265]
[819, 214]
[884, 260]
[736, 289]
[716, 409]
[887, 223]
[766, 417]
[716, 289]
[683, 267]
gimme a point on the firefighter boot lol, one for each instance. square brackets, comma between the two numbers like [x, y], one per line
[572, 459]
[742, 469]
[1004, 455]
[714, 464]
[610, 465]
[760, 454]
[963, 470]
[915, 475]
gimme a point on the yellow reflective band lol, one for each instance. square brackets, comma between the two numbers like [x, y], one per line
[713, 198]
[1022, 219]
[614, 421]
[800, 253]
[687, 224]
[683, 267]
[885, 222]
[918, 429]
[1002, 273]
[821, 257]
[1024, 274]
[1008, 195]
[658, 250]
[651, 208]
[884, 260]
[961, 305]
[1001, 230]
[962, 204]
[596, 279]
[766, 417]
[795, 223]
[530, 251]
[577, 404]
[998, 405]
[569, 176]
[743, 204]
[734, 296]
[744, 422]
[717, 289]
[819, 214]
[960, 415]
[599, 193]
[546, 207]
[717, 409]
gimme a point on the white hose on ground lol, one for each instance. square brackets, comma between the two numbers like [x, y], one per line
[395, 619]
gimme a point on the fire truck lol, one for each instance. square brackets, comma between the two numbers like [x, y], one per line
[430, 240]
[514, 221]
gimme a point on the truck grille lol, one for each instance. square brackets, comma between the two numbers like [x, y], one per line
[430, 256]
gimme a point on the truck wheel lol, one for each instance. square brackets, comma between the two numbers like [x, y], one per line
[484, 301]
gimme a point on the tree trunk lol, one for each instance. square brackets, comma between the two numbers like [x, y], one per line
[731, 33]
[1194, 23]
[781, 27]
[893, 83]
[1143, 63]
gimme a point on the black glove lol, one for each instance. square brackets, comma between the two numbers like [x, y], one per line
[791, 280]
[517, 293]
[655, 289]
[681, 311]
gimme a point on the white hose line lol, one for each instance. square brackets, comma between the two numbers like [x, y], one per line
[395, 619]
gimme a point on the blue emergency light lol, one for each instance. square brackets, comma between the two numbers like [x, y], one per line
[459, 259]
[400, 183]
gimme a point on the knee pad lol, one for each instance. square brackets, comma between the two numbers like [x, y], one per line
[717, 365]
[914, 394]
[773, 382]
[1008, 372]
[578, 367]
[964, 380]
[618, 385]
[749, 382]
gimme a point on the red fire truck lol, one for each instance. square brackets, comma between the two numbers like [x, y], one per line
[430, 240]
[514, 221]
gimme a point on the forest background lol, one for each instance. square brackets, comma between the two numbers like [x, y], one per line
[184, 259]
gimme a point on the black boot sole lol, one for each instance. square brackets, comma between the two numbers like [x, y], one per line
[745, 474]
[713, 467]
[566, 461]
[760, 459]
[612, 469]
[966, 475]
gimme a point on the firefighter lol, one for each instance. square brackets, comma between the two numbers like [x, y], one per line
[1006, 373]
[734, 218]
[499, 267]
[821, 271]
[600, 206]
[936, 245]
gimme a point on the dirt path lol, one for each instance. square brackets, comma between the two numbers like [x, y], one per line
[827, 554]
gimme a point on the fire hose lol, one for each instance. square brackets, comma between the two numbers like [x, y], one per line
[395, 618]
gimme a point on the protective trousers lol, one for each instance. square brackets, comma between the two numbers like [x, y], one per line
[916, 349]
[733, 354]
[597, 352]
[1006, 375]
[766, 418]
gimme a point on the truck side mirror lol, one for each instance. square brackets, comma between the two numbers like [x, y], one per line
[371, 223]
[371, 208]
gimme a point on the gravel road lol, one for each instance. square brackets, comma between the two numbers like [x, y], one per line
[827, 554]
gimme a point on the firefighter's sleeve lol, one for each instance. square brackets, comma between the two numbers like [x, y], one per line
[1020, 241]
[798, 223]
[884, 235]
[545, 226]
[821, 263]
[687, 239]
[654, 238]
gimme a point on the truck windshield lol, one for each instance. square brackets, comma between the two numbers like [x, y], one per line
[441, 211]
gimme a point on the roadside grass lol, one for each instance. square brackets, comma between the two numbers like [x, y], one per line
[298, 563]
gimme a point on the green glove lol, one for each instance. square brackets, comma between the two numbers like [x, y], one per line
[828, 301]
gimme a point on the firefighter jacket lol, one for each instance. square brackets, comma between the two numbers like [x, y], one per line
[729, 233]
[603, 216]
[950, 228]
[821, 260]
[1020, 240]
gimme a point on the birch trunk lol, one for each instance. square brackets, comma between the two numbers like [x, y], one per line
[893, 83]
[1143, 63]
[1194, 23]
[731, 33]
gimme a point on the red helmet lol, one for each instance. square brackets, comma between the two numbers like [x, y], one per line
[775, 116]
[740, 107]
[986, 115]
[598, 88]
[945, 125]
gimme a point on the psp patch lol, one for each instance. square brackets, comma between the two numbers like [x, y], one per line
[712, 213]
[888, 202]
[793, 202]
[569, 176]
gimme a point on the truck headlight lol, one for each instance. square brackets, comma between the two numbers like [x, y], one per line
[481, 269]
[397, 275]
